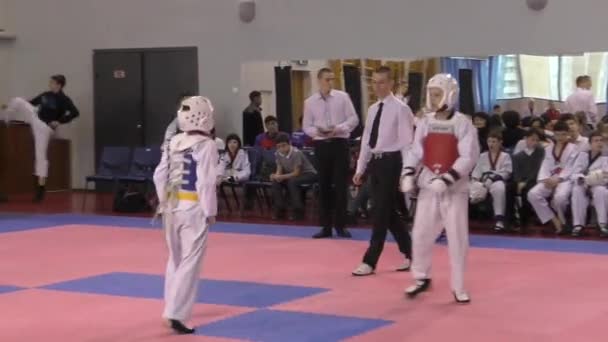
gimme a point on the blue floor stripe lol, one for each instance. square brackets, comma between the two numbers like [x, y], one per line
[9, 289]
[12, 223]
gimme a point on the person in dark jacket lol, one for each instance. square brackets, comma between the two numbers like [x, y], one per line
[513, 131]
[252, 119]
[526, 165]
[44, 114]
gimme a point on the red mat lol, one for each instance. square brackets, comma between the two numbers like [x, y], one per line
[517, 296]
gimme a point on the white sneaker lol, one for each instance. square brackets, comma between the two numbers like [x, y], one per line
[363, 270]
[462, 298]
[405, 266]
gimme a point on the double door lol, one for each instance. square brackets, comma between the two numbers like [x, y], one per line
[136, 93]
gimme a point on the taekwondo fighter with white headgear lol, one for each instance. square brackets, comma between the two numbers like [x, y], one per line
[185, 182]
[446, 145]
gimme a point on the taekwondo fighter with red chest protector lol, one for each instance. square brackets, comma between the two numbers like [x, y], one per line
[446, 147]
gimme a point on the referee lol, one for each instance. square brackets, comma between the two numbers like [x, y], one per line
[386, 138]
[329, 118]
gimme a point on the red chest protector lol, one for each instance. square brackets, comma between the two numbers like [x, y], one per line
[440, 146]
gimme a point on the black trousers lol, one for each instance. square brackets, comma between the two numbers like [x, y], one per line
[384, 174]
[333, 160]
[526, 212]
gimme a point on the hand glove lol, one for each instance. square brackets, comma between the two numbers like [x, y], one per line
[407, 180]
[488, 183]
[407, 183]
[440, 184]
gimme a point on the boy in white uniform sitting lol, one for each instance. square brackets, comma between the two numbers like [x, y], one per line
[589, 181]
[554, 179]
[493, 170]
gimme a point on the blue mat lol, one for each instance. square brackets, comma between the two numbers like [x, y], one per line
[9, 289]
[221, 292]
[13, 223]
[285, 326]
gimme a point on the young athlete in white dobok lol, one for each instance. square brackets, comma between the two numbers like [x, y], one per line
[446, 145]
[185, 182]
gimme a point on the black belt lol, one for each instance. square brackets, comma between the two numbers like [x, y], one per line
[382, 155]
[330, 140]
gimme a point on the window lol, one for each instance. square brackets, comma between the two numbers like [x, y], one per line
[540, 76]
[550, 77]
[508, 85]
[592, 64]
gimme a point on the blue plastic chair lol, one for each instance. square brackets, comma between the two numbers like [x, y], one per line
[143, 164]
[114, 163]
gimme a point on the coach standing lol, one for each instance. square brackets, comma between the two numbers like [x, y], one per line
[329, 118]
[387, 137]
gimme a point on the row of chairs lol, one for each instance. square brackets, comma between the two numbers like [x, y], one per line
[263, 162]
[120, 164]
[125, 165]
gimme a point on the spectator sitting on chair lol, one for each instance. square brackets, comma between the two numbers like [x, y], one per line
[512, 132]
[293, 170]
[526, 165]
[480, 121]
[234, 162]
[267, 140]
[300, 139]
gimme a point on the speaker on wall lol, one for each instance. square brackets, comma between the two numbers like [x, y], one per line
[414, 90]
[467, 100]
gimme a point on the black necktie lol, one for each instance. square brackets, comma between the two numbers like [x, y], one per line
[373, 137]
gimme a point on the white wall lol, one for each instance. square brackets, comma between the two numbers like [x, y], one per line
[5, 50]
[59, 36]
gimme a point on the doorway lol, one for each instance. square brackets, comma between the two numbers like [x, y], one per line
[136, 93]
[300, 90]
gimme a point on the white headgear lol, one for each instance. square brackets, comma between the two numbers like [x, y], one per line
[196, 114]
[596, 177]
[450, 89]
[477, 192]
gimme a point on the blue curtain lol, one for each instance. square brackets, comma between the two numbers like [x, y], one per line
[485, 78]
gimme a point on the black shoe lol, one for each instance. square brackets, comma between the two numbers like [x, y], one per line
[603, 231]
[577, 231]
[343, 233]
[180, 328]
[40, 191]
[419, 287]
[322, 234]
